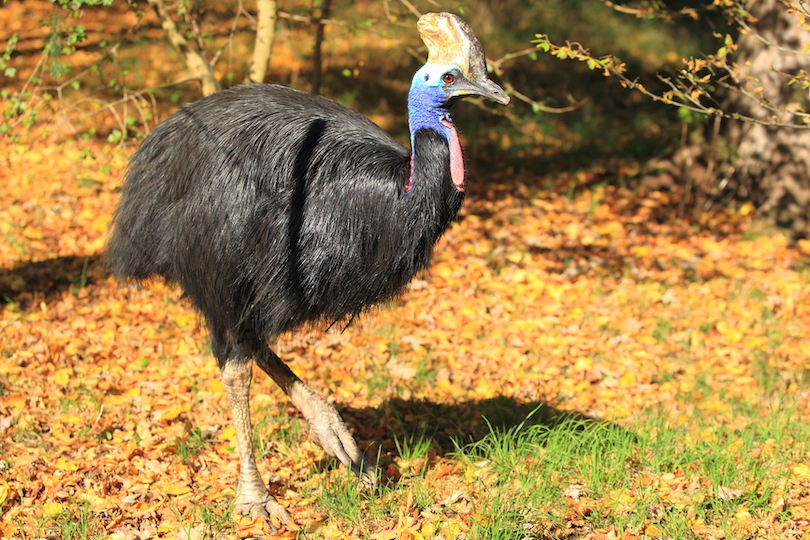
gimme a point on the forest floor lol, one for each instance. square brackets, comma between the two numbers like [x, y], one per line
[692, 335]
[582, 361]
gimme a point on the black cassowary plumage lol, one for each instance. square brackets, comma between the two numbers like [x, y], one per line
[272, 207]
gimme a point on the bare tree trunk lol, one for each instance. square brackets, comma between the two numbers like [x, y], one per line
[772, 165]
[317, 67]
[265, 35]
[196, 64]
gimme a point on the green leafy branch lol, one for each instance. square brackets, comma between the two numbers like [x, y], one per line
[51, 78]
[694, 86]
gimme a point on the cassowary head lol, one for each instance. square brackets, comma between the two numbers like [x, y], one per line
[456, 66]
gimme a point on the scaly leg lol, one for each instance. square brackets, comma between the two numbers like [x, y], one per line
[252, 497]
[325, 425]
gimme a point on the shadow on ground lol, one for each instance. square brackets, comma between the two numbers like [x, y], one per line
[33, 282]
[450, 426]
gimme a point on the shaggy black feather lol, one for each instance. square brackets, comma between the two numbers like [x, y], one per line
[273, 207]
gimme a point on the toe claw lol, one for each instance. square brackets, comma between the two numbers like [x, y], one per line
[266, 509]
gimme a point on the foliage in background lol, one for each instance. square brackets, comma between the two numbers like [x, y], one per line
[696, 87]
[121, 77]
[753, 86]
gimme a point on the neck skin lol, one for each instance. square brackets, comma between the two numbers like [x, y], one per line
[427, 109]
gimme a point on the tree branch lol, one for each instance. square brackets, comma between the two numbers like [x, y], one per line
[195, 62]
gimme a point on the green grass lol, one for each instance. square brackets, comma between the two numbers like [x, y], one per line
[675, 477]
[203, 522]
[274, 431]
[413, 448]
[668, 473]
[368, 508]
[73, 523]
[191, 445]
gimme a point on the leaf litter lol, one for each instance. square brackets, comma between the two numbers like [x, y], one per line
[606, 304]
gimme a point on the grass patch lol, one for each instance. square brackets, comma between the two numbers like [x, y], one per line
[659, 477]
[205, 522]
[274, 431]
[191, 445]
[75, 522]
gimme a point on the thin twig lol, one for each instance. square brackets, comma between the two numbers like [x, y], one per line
[411, 8]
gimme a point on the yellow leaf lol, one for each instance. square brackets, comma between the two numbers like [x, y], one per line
[611, 228]
[583, 363]
[652, 530]
[51, 509]
[227, 434]
[646, 339]
[62, 377]
[114, 536]
[97, 503]
[216, 387]
[101, 223]
[15, 401]
[627, 380]
[173, 412]
[178, 488]
[71, 419]
[572, 230]
[515, 257]
[4, 491]
[743, 516]
[385, 535]
[587, 239]
[33, 233]
[7, 530]
[428, 530]
[184, 319]
[451, 531]
[443, 270]
[331, 531]
[802, 470]
[485, 389]
[730, 333]
[66, 465]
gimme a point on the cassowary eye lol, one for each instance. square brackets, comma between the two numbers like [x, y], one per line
[448, 78]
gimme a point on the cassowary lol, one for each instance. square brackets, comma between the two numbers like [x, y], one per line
[272, 208]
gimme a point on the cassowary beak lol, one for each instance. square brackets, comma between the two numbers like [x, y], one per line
[451, 41]
[483, 87]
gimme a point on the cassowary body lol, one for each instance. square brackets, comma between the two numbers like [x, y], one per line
[273, 207]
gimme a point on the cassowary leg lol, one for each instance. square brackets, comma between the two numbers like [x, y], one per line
[325, 425]
[252, 497]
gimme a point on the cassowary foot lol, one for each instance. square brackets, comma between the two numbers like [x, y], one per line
[327, 429]
[256, 505]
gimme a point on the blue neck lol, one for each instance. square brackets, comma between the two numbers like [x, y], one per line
[426, 102]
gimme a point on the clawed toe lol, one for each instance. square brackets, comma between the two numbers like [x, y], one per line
[328, 430]
[266, 509]
[368, 473]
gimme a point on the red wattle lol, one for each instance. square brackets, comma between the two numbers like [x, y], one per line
[456, 159]
[409, 184]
